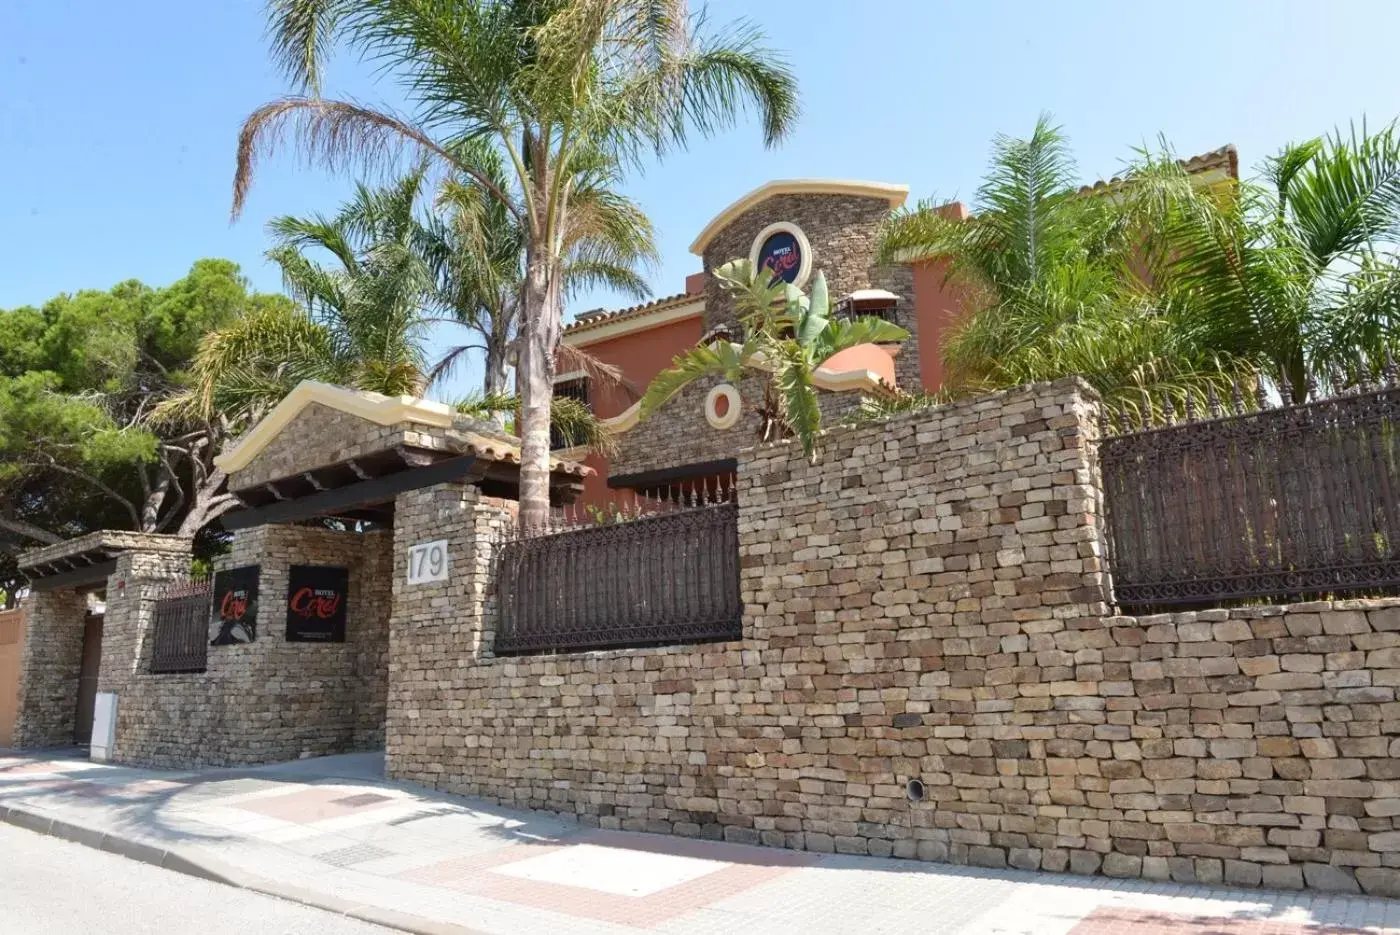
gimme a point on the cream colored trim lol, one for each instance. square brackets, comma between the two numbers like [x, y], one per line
[845, 381]
[804, 271]
[639, 323]
[624, 421]
[571, 375]
[731, 414]
[575, 454]
[381, 410]
[895, 195]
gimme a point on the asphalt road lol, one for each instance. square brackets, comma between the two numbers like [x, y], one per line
[54, 887]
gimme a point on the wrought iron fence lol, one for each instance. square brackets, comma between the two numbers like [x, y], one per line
[1258, 502]
[180, 641]
[662, 573]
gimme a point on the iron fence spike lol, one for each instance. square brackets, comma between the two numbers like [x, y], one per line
[1312, 386]
[1390, 370]
[1261, 395]
[1213, 401]
[1190, 407]
[1168, 409]
[1339, 382]
[1285, 388]
[1236, 396]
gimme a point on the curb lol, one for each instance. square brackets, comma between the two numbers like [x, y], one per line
[216, 871]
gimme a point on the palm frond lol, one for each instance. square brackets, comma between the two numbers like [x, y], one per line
[699, 362]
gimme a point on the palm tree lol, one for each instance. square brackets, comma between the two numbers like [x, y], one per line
[789, 335]
[1297, 272]
[478, 253]
[360, 322]
[553, 88]
[569, 419]
[1053, 277]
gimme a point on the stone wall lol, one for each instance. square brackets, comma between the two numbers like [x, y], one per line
[50, 663]
[844, 232]
[927, 603]
[678, 434]
[264, 701]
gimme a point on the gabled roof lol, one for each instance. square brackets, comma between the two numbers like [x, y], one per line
[894, 195]
[373, 407]
[468, 435]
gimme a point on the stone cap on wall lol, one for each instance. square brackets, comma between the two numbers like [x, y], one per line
[104, 542]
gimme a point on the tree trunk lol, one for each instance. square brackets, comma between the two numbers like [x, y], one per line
[495, 381]
[30, 531]
[155, 499]
[206, 505]
[539, 334]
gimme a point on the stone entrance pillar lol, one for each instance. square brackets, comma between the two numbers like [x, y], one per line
[131, 595]
[62, 576]
[50, 665]
[438, 629]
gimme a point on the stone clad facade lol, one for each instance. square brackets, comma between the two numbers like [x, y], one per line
[264, 701]
[844, 233]
[50, 663]
[928, 603]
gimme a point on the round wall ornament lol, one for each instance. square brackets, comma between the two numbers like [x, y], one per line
[722, 406]
[784, 251]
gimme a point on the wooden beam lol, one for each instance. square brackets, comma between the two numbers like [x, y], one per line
[372, 491]
[419, 457]
[77, 578]
[667, 476]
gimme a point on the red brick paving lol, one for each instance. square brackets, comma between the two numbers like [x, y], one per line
[309, 806]
[1145, 922]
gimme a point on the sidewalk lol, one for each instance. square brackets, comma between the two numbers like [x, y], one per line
[332, 833]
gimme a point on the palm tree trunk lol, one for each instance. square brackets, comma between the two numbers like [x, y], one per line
[494, 383]
[539, 334]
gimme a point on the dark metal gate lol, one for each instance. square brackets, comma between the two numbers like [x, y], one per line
[652, 580]
[180, 640]
[1275, 503]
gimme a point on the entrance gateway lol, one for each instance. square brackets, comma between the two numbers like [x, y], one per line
[286, 654]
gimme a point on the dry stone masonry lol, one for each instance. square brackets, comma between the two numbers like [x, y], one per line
[844, 231]
[263, 701]
[928, 603]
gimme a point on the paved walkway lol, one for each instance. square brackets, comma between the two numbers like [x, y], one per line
[332, 833]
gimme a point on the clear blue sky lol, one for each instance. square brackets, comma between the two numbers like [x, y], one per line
[118, 120]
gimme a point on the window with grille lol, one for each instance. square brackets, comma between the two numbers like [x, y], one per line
[572, 389]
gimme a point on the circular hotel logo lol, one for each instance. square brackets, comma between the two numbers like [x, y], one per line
[783, 252]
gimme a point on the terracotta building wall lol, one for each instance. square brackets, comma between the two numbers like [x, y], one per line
[640, 355]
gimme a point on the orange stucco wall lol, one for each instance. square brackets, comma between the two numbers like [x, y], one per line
[640, 355]
[937, 302]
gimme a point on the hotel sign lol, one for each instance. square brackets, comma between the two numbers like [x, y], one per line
[317, 599]
[782, 250]
[235, 610]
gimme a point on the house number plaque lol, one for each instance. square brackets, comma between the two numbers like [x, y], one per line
[427, 562]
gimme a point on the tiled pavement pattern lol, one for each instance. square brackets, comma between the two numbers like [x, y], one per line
[333, 826]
